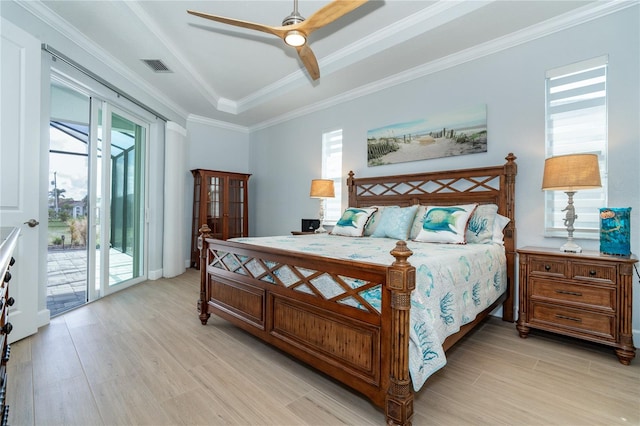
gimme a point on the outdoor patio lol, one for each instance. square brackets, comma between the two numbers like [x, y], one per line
[67, 277]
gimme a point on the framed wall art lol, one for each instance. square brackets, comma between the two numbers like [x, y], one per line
[459, 132]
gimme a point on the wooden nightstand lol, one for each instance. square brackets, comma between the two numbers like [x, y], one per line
[302, 233]
[585, 295]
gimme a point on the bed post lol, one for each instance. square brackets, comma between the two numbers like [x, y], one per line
[205, 232]
[510, 171]
[351, 188]
[401, 280]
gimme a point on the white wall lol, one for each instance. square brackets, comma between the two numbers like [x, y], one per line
[285, 158]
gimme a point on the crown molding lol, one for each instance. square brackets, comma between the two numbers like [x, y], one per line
[441, 12]
[426, 19]
[551, 26]
[47, 16]
[193, 118]
[175, 127]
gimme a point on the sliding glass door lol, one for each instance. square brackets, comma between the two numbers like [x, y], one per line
[97, 210]
[120, 197]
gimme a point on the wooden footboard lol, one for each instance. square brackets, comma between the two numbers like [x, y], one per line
[275, 295]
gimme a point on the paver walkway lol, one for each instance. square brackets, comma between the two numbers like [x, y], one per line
[67, 277]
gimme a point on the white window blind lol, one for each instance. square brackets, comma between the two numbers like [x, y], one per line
[332, 169]
[576, 122]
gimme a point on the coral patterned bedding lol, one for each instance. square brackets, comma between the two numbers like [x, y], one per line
[454, 282]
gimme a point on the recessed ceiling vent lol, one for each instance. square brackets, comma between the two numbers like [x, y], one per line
[156, 65]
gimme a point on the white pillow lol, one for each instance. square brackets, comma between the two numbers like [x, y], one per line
[353, 221]
[498, 227]
[480, 226]
[446, 224]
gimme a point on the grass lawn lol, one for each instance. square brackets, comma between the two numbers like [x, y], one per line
[57, 229]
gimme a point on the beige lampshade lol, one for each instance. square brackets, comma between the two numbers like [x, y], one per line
[322, 188]
[571, 172]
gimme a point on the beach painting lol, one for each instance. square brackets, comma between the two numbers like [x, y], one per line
[442, 135]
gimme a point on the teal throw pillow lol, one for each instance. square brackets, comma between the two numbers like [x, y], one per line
[396, 222]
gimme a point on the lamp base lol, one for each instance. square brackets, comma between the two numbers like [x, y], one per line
[320, 230]
[571, 247]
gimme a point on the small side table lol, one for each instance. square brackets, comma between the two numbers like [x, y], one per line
[302, 233]
[583, 295]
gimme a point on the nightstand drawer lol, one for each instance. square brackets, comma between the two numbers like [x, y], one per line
[584, 295]
[547, 266]
[601, 273]
[574, 320]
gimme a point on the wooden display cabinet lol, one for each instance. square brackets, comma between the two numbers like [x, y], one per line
[220, 200]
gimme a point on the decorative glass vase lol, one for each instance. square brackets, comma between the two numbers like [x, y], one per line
[615, 231]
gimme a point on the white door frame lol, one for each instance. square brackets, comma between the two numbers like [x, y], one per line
[107, 111]
[100, 139]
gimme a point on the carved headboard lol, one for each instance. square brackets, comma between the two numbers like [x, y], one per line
[482, 185]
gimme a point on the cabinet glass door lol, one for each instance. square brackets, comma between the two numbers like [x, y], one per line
[236, 191]
[215, 198]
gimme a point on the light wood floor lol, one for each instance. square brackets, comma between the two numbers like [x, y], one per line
[141, 356]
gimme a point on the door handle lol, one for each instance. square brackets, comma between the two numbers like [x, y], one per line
[32, 223]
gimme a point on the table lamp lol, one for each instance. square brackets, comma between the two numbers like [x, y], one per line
[321, 188]
[570, 173]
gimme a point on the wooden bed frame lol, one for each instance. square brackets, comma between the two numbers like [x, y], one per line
[365, 349]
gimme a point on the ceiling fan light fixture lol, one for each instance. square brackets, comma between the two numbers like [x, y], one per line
[295, 38]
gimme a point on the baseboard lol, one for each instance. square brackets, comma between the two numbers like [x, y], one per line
[154, 275]
[43, 317]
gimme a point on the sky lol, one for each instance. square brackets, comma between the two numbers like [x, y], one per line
[466, 117]
[71, 171]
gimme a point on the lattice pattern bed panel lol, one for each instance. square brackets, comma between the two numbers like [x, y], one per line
[338, 288]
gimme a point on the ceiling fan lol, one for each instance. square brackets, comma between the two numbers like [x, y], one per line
[295, 29]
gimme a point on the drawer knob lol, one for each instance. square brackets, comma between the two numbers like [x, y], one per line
[547, 267]
[7, 277]
[12, 261]
[6, 329]
[592, 272]
[11, 301]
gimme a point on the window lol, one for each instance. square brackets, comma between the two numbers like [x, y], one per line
[576, 122]
[332, 169]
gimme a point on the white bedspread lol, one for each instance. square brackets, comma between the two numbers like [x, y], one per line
[453, 284]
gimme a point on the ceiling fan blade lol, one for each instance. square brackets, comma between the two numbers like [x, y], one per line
[309, 60]
[277, 31]
[329, 13]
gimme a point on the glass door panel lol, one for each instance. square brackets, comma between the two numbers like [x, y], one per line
[68, 222]
[215, 199]
[126, 231]
[235, 196]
